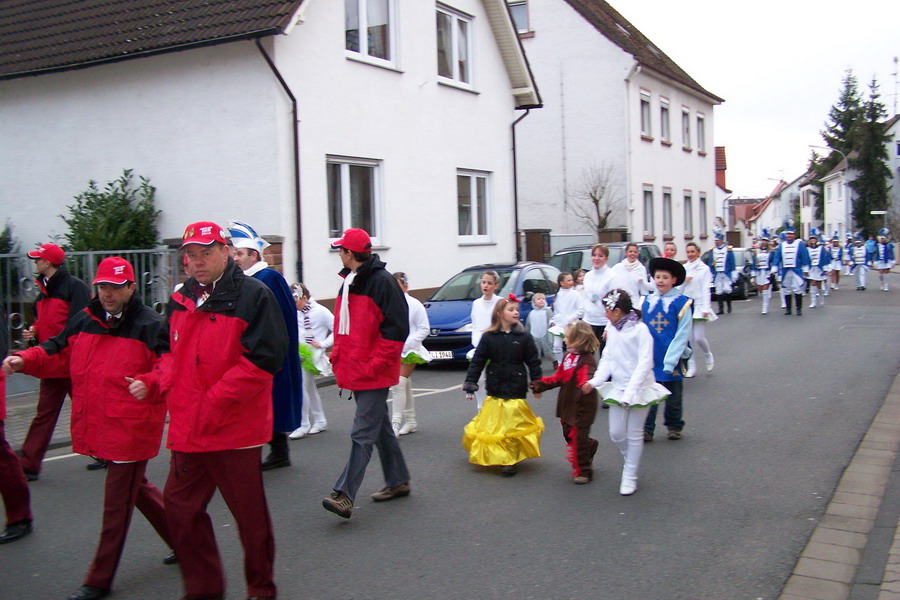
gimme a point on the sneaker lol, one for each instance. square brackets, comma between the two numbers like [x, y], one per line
[339, 503]
[408, 427]
[581, 480]
[627, 488]
[690, 374]
[674, 434]
[648, 437]
[509, 470]
[389, 493]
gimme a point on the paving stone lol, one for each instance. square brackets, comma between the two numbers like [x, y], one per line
[838, 537]
[818, 589]
[825, 569]
[832, 552]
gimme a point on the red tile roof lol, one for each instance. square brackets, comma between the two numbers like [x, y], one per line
[626, 36]
[721, 162]
[49, 35]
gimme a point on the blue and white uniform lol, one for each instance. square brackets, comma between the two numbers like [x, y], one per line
[792, 263]
[859, 263]
[761, 266]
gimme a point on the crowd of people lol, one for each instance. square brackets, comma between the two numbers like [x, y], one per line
[234, 362]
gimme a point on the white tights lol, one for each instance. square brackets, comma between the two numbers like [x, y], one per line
[626, 430]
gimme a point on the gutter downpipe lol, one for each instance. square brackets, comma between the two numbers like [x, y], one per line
[518, 246]
[629, 190]
[296, 127]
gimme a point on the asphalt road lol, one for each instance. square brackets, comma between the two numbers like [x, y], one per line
[721, 514]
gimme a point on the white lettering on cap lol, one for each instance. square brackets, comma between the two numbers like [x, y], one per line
[206, 231]
[118, 270]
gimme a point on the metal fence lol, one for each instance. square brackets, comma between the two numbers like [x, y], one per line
[157, 272]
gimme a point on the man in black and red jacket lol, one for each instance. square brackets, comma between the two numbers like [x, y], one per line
[61, 297]
[227, 340]
[370, 327]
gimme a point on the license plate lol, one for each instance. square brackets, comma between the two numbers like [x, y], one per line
[442, 355]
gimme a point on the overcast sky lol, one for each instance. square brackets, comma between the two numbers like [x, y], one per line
[778, 65]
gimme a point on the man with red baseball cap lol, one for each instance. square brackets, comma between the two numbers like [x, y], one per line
[227, 341]
[61, 297]
[102, 348]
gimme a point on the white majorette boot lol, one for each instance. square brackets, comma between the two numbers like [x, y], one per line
[409, 413]
[765, 301]
[398, 405]
[692, 367]
[710, 362]
[813, 293]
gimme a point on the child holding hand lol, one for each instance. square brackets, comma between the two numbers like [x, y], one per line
[505, 431]
[627, 362]
[576, 408]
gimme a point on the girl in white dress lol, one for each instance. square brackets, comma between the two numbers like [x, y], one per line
[697, 282]
[315, 325]
[403, 406]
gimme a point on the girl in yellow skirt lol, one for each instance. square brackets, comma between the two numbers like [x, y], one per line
[505, 431]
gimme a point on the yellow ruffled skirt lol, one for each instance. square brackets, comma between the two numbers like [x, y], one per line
[503, 432]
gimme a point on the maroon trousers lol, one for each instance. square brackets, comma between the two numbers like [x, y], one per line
[193, 479]
[581, 449]
[126, 487]
[51, 395]
[13, 487]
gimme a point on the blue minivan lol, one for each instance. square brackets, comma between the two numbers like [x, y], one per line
[449, 308]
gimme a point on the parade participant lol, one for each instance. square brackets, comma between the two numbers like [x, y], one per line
[859, 262]
[848, 254]
[227, 340]
[761, 267]
[721, 263]
[403, 405]
[101, 349]
[576, 408]
[372, 325]
[884, 258]
[670, 250]
[667, 313]
[13, 485]
[835, 254]
[631, 274]
[792, 263]
[776, 241]
[597, 283]
[697, 284]
[505, 431]
[538, 325]
[481, 312]
[61, 296]
[627, 362]
[567, 308]
[287, 398]
[578, 275]
[819, 265]
[316, 335]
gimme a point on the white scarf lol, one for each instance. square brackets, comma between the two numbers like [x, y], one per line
[344, 327]
[256, 268]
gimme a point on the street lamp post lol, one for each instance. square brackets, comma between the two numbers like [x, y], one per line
[848, 212]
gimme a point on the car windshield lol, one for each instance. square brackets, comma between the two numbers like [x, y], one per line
[466, 286]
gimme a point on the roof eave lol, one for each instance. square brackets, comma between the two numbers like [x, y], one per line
[708, 96]
[524, 87]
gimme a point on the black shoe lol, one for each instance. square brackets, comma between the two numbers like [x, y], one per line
[15, 531]
[98, 464]
[275, 463]
[509, 470]
[89, 592]
[31, 475]
[171, 559]
[729, 308]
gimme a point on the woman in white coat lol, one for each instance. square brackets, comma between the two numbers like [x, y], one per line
[403, 410]
[631, 275]
[315, 324]
[697, 286]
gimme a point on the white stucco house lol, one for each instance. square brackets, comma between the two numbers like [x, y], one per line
[617, 113]
[301, 118]
[838, 200]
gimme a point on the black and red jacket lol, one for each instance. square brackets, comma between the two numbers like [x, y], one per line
[217, 376]
[107, 421]
[63, 297]
[368, 358]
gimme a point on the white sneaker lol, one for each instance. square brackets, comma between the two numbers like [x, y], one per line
[298, 433]
[690, 373]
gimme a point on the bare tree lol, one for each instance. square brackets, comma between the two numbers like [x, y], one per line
[598, 196]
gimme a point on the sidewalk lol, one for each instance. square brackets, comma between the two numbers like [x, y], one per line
[853, 553]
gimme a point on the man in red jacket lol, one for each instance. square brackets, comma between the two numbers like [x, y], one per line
[227, 341]
[61, 297]
[370, 326]
[115, 338]
[13, 487]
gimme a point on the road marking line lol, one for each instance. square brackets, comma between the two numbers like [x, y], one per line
[432, 392]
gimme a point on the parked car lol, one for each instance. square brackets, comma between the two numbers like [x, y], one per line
[450, 307]
[579, 257]
[745, 284]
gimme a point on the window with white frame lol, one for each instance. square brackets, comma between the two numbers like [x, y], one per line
[454, 45]
[648, 210]
[473, 205]
[664, 128]
[519, 11]
[645, 114]
[353, 195]
[686, 127]
[701, 133]
[688, 213]
[701, 209]
[369, 31]
[667, 211]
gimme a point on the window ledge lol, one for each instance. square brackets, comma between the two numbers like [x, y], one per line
[374, 248]
[704, 236]
[477, 243]
[701, 153]
[687, 149]
[455, 84]
[668, 237]
[689, 236]
[665, 142]
[646, 138]
[649, 238]
[374, 62]
[526, 35]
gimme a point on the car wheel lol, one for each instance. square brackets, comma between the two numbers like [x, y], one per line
[741, 292]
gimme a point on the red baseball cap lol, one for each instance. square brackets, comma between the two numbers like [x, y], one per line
[354, 240]
[52, 253]
[115, 270]
[204, 233]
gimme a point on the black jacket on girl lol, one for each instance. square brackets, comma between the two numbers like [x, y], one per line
[505, 355]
